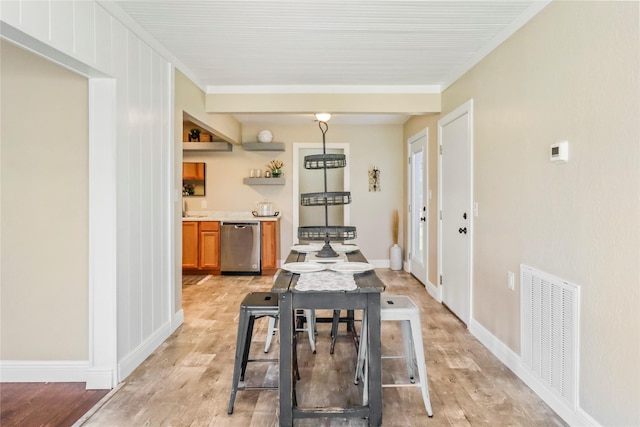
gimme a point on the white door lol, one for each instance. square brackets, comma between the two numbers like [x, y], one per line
[455, 132]
[418, 208]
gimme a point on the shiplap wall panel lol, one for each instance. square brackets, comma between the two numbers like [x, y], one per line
[88, 33]
[133, 145]
[34, 18]
[146, 185]
[61, 32]
[84, 30]
[103, 40]
[120, 40]
[157, 169]
[10, 12]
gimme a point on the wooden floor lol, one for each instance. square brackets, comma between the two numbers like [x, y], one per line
[186, 381]
[45, 404]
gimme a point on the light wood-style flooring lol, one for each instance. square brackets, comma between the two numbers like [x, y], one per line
[187, 380]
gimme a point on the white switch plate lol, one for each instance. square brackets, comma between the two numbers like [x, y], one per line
[203, 204]
[511, 281]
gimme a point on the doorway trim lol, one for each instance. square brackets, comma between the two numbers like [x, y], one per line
[466, 108]
[297, 146]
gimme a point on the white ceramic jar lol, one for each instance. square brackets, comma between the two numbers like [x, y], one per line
[265, 136]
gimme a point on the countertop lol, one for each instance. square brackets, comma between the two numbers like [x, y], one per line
[226, 216]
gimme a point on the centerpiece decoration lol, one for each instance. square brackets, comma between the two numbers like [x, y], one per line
[275, 166]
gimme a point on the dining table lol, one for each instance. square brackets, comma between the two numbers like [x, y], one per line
[365, 296]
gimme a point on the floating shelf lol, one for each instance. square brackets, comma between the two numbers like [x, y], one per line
[263, 146]
[264, 181]
[207, 146]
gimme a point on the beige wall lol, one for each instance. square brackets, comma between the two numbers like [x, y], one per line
[411, 127]
[370, 146]
[572, 73]
[44, 219]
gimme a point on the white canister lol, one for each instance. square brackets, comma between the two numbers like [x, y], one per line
[395, 254]
[265, 136]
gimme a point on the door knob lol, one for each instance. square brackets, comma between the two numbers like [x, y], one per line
[462, 230]
[422, 218]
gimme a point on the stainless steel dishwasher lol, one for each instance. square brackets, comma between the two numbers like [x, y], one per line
[240, 248]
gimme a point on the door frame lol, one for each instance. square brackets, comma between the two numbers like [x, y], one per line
[297, 146]
[466, 108]
[425, 179]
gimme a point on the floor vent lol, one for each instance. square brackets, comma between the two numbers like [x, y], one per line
[550, 330]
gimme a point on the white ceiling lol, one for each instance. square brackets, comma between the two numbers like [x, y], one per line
[251, 46]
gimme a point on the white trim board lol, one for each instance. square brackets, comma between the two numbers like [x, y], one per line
[512, 360]
[40, 371]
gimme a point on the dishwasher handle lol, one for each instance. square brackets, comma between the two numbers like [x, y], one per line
[241, 225]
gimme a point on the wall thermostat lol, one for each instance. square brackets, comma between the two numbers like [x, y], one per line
[560, 152]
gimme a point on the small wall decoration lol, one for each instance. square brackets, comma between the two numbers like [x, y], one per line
[194, 135]
[374, 179]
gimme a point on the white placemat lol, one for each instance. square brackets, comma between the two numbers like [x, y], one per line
[326, 281]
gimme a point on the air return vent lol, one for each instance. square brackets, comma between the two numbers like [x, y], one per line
[550, 330]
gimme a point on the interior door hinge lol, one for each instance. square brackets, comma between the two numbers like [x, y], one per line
[441, 215]
[441, 279]
[441, 149]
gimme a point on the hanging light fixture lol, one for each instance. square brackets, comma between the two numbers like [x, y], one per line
[325, 199]
[323, 117]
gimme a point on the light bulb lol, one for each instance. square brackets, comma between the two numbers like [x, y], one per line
[323, 117]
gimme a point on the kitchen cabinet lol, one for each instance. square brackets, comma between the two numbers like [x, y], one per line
[193, 171]
[189, 244]
[210, 245]
[201, 247]
[270, 237]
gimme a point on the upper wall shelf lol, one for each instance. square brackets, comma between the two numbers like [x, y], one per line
[209, 140]
[206, 146]
[263, 146]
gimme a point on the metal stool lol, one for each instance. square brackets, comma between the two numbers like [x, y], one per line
[254, 306]
[349, 320]
[309, 318]
[399, 308]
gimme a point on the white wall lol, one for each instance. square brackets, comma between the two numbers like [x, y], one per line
[133, 157]
[572, 73]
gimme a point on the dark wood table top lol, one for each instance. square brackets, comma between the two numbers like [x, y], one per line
[366, 282]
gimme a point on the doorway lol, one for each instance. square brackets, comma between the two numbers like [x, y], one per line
[418, 209]
[455, 184]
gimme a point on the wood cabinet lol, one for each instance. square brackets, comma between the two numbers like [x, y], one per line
[201, 247]
[210, 245]
[193, 171]
[270, 237]
[189, 244]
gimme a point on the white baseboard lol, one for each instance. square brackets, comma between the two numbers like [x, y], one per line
[100, 379]
[434, 291]
[131, 361]
[380, 263]
[512, 360]
[40, 371]
[177, 319]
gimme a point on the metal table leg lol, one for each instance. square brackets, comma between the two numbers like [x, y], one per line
[286, 356]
